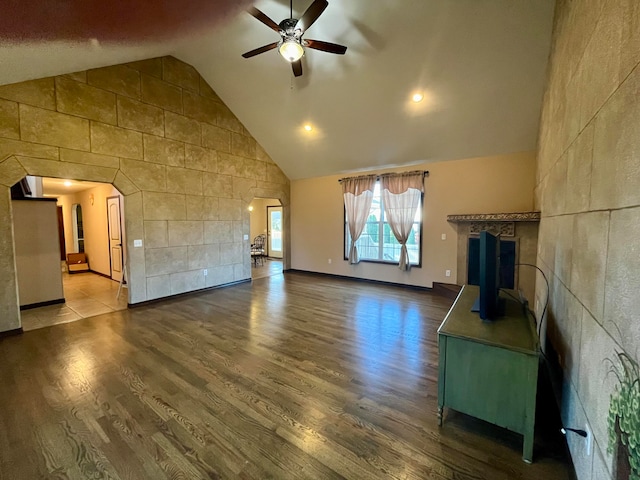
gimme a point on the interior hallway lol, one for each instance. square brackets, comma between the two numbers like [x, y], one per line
[87, 294]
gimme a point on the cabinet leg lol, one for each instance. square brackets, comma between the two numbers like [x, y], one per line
[527, 448]
[439, 416]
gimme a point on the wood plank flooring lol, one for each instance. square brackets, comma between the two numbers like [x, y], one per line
[292, 376]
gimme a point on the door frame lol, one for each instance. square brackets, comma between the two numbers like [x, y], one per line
[269, 230]
[122, 245]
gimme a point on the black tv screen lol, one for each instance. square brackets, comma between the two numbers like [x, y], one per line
[487, 304]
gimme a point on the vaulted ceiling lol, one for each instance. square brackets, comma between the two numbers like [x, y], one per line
[480, 64]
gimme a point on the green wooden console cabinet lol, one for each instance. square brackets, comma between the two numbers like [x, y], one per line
[490, 369]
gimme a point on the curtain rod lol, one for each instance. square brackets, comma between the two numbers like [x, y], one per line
[425, 173]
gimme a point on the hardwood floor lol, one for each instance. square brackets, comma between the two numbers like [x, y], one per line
[291, 376]
[266, 268]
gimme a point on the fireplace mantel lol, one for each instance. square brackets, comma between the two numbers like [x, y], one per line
[519, 227]
[495, 217]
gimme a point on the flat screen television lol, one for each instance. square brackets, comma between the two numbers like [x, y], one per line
[488, 302]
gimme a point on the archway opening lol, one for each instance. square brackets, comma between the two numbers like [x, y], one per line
[267, 237]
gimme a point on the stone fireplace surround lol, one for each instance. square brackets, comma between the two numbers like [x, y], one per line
[521, 227]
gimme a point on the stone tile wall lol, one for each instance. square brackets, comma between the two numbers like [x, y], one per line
[589, 194]
[155, 129]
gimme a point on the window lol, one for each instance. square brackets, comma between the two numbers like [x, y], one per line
[377, 242]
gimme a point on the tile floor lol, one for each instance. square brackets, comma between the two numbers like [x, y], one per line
[86, 295]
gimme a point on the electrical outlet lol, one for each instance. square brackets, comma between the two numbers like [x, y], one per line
[589, 439]
[443, 236]
[205, 272]
[329, 261]
[447, 273]
[137, 243]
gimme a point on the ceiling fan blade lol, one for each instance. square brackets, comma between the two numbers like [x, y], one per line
[312, 14]
[325, 46]
[258, 51]
[297, 68]
[264, 19]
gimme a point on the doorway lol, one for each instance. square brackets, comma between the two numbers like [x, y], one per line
[274, 232]
[91, 224]
[266, 220]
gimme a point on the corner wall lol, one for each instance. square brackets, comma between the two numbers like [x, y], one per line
[158, 132]
[587, 190]
[478, 185]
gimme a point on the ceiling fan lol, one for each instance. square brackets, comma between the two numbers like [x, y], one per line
[291, 45]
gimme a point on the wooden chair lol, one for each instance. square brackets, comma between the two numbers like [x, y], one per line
[258, 249]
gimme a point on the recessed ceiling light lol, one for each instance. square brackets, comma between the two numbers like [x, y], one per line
[308, 127]
[417, 97]
[68, 183]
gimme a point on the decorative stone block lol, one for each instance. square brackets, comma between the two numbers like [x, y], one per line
[185, 233]
[220, 275]
[184, 129]
[151, 66]
[207, 91]
[214, 185]
[11, 172]
[588, 265]
[195, 207]
[233, 165]
[77, 76]
[38, 93]
[275, 175]
[614, 181]
[200, 158]
[258, 170]
[230, 253]
[218, 232]
[579, 157]
[229, 209]
[124, 184]
[162, 261]
[200, 108]
[119, 79]
[9, 120]
[52, 128]
[85, 101]
[226, 119]
[622, 281]
[163, 151]
[156, 234]
[54, 168]
[262, 155]
[139, 116]
[158, 287]
[243, 146]
[203, 256]
[146, 176]
[186, 282]
[211, 208]
[9, 310]
[180, 73]
[243, 188]
[161, 94]
[86, 158]
[164, 206]
[16, 147]
[115, 141]
[182, 180]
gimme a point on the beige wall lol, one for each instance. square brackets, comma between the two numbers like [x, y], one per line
[96, 235]
[35, 224]
[479, 185]
[157, 131]
[587, 190]
[258, 217]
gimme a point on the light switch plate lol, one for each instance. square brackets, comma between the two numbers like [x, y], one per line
[137, 243]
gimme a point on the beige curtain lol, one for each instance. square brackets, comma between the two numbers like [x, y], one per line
[357, 193]
[401, 194]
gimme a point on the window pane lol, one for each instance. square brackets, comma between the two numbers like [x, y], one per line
[377, 241]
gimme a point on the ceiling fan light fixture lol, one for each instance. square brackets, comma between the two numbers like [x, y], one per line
[291, 50]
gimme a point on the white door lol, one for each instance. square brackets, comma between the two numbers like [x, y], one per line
[115, 237]
[274, 232]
